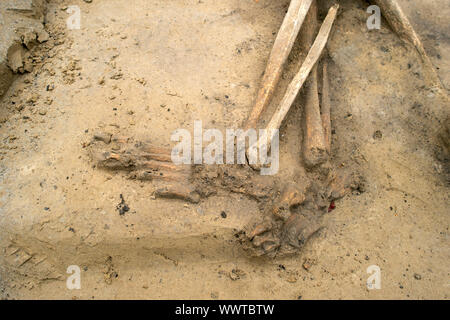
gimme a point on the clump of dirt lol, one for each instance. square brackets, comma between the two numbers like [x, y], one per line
[122, 207]
[109, 273]
[21, 34]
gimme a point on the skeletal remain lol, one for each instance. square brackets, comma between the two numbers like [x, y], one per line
[282, 47]
[293, 194]
[314, 146]
[299, 228]
[143, 161]
[289, 230]
[290, 216]
[179, 191]
[281, 231]
[296, 84]
[296, 214]
[401, 25]
[326, 107]
[285, 229]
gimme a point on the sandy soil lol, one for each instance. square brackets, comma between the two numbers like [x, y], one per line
[145, 68]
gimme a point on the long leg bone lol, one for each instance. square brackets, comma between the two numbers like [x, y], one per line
[282, 47]
[314, 147]
[326, 107]
[401, 25]
[298, 81]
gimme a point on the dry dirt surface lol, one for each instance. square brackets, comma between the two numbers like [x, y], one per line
[144, 68]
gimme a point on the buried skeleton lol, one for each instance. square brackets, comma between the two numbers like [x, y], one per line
[290, 208]
[213, 152]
